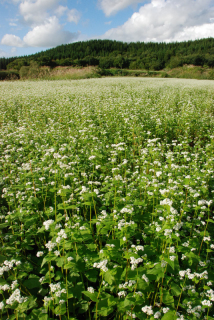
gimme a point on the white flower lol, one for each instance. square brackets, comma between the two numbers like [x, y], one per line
[70, 258]
[165, 310]
[90, 289]
[61, 301]
[39, 254]
[101, 265]
[1, 305]
[48, 223]
[206, 303]
[172, 258]
[91, 157]
[50, 245]
[157, 315]
[148, 310]
[122, 294]
[158, 173]
[145, 278]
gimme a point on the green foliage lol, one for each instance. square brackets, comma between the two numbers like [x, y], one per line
[108, 54]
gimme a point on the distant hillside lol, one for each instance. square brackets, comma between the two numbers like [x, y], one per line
[107, 54]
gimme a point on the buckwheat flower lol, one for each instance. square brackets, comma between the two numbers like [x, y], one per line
[70, 259]
[182, 273]
[2, 305]
[61, 301]
[209, 283]
[212, 246]
[50, 245]
[167, 232]
[209, 202]
[124, 238]
[158, 229]
[166, 202]
[39, 254]
[163, 264]
[185, 244]
[172, 249]
[165, 310]
[148, 310]
[48, 223]
[91, 157]
[172, 258]
[122, 294]
[157, 315]
[41, 279]
[207, 238]
[57, 253]
[158, 173]
[5, 287]
[206, 303]
[196, 195]
[16, 296]
[101, 265]
[90, 289]
[145, 278]
[134, 262]
[14, 284]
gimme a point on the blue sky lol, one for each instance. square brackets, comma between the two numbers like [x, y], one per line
[29, 26]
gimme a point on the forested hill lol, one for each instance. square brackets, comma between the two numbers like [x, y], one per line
[108, 53]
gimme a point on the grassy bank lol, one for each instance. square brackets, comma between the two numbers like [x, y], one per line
[77, 73]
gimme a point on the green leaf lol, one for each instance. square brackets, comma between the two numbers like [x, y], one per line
[175, 289]
[170, 315]
[60, 261]
[92, 296]
[168, 299]
[170, 262]
[32, 282]
[108, 277]
[2, 259]
[92, 275]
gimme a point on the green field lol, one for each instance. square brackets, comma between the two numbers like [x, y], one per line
[106, 209]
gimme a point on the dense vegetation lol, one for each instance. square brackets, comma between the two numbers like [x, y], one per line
[106, 209]
[108, 53]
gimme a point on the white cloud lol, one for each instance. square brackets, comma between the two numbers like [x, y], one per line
[49, 34]
[12, 40]
[13, 50]
[167, 20]
[60, 10]
[110, 7]
[12, 24]
[73, 16]
[3, 54]
[36, 12]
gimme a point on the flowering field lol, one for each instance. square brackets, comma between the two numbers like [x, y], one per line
[106, 207]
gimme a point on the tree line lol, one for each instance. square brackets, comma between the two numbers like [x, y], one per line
[115, 54]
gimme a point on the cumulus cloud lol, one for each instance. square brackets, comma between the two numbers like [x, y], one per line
[73, 16]
[48, 34]
[110, 7]
[34, 13]
[45, 29]
[167, 20]
[3, 54]
[12, 40]
[60, 10]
